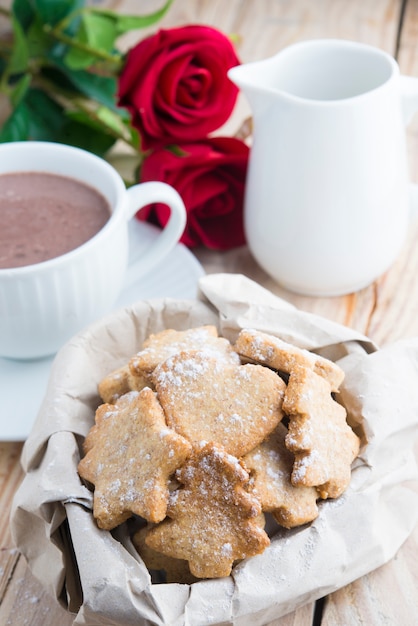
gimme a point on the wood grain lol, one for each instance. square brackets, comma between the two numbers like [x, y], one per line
[27, 603]
[389, 594]
[386, 311]
[10, 477]
[264, 27]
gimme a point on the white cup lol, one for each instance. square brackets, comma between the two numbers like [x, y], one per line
[43, 305]
[327, 194]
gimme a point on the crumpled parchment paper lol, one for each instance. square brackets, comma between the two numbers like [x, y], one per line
[99, 576]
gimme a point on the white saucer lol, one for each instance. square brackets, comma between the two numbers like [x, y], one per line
[23, 383]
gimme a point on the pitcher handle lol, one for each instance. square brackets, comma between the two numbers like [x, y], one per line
[409, 95]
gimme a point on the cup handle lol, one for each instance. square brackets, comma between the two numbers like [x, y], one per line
[409, 95]
[139, 196]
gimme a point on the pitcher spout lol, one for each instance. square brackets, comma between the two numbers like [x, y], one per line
[249, 75]
[255, 80]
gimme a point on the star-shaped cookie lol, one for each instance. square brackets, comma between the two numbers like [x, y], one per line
[213, 519]
[270, 465]
[278, 354]
[323, 443]
[160, 346]
[130, 456]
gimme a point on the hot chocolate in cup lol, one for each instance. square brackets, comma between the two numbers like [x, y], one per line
[44, 301]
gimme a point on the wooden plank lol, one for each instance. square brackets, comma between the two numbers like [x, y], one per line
[407, 57]
[8, 561]
[265, 26]
[10, 477]
[26, 602]
[395, 315]
[408, 62]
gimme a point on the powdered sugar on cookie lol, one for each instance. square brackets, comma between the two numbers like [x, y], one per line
[200, 439]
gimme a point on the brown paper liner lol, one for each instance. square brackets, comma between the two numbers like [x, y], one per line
[99, 576]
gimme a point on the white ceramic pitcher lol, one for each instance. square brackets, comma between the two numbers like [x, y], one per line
[327, 195]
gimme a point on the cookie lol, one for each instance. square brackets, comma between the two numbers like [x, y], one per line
[279, 355]
[159, 347]
[130, 456]
[174, 570]
[212, 520]
[270, 466]
[323, 443]
[191, 438]
[119, 382]
[206, 398]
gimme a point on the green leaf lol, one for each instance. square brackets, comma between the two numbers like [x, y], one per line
[176, 150]
[16, 128]
[96, 32]
[20, 54]
[125, 23]
[135, 138]
[23, 12]
[84, 135]
[46, 117]
[103, 120]
[100, 88]
[99, 31]
[37, 40]
[45, 120]
[110, 119]
[53, 11]
[77, 59]
[19, 90]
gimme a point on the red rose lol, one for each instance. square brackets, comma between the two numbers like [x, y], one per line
[210, 177]
[175, 86]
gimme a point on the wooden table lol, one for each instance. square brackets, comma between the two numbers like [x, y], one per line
[386, 311]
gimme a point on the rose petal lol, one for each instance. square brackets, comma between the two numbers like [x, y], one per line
[210, 177]
[175, 84]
